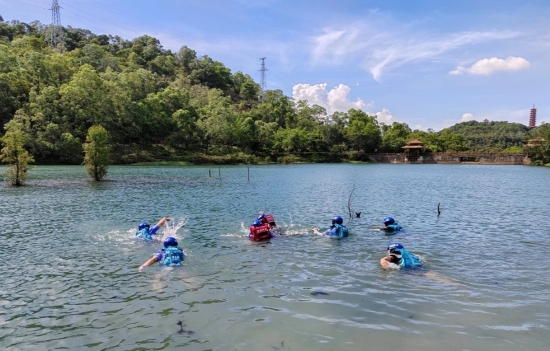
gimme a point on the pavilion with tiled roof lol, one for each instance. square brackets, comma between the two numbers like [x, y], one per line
[413, 144]
[413, 149]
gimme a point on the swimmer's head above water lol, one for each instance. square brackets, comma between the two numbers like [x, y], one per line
[170, 241]
[388, 220]
[337, 220]
[143, 225]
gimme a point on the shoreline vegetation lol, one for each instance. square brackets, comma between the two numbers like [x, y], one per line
[101, 99]
[488, 159]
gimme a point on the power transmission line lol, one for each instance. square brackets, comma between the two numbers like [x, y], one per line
[262, 78]
[57, 30]
[56, 19]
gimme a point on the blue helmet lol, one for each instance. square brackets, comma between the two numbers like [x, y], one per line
[257, 223]
[394, 246]
[143, 224]
[170, 241]
[388, 221]
[338, 220]
[261, 216]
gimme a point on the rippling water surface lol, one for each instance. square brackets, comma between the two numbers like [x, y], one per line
[70, 275]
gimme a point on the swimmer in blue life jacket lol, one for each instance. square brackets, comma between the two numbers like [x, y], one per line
[171, 255]
[390, 225]
[146, 232]
[337, 229]
[398, 257]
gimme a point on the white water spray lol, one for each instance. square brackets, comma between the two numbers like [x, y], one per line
[171, 228]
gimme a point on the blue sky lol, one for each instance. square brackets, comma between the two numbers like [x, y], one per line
[427, 63]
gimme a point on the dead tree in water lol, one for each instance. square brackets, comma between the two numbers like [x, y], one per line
[349, 202]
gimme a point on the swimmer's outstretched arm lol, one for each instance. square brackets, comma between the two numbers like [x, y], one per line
[148, 263]
[162, 221]
[316, 231]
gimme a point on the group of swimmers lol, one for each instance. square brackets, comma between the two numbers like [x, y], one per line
[264, 227]
[397, 256]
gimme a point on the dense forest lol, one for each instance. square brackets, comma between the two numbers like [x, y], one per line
[157, 104]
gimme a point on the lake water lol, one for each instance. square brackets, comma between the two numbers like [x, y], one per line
[70, 277]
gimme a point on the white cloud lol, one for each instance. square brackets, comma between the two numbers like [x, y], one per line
[380, 47]
[385, 116]
[467, 117]
[337, 99]
[333, 100]
[491, 65]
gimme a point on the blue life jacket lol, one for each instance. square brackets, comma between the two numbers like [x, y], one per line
[173, 256]
[394, 227]
[144, 233]
[408, 259]
[338, 230]
[341, 230]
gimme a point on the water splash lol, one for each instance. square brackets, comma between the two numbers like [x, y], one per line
[234, 235]
[244, 230]
[171, 228]
[294, 231]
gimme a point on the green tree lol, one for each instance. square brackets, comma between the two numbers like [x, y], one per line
[96, 56]
[539, 151]
[490, 136]
[15, 154]
[69, 149]
[85, 102]
[308, 117]
[430, 139]
[334, 133]
[146, 48]
[264, 136]
[218, 123]
[363, 131]
[276, 108]
[14, 93]
[394, 136]
[97, 152]
[186, 58]
[211, 73]
[245, 89]
[452, 142]
[290, 140]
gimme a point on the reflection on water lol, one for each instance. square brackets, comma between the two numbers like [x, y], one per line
[70, 278]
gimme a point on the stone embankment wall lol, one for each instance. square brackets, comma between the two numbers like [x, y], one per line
[453, 158]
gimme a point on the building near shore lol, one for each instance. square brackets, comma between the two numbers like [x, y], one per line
[413, 149]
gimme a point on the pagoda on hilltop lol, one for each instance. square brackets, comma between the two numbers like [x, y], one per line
[533, 118]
